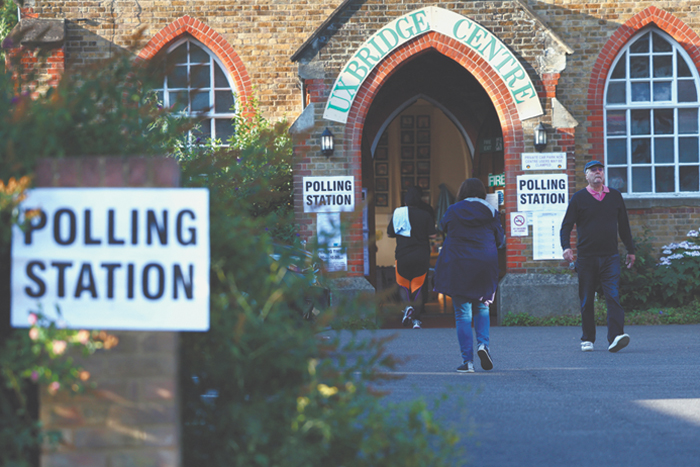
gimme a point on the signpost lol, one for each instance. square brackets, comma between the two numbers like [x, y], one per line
[114, 258]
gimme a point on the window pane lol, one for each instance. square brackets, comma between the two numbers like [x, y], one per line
[663, 121]
[620, 68]
[639, 67]
[641, 45]
[617, 93]
[641, 179]
[663, 66]
[682, 66]
[660, 44]
[641, 151]
[689, 178]
[220, 80]
[640, 92]
[200, 101]
[223, 101]
[688, 150]
[687, 91]
[178, 101]
[178, 55]
[224, 129]
[200, 76]
[617, 122]
[663, 150]
[662, 91]
[665, 180]
[687, 121]
[197, 55]
[641, 124]
[178, 77]
[202, 131]
[617, 178]
[617, 151]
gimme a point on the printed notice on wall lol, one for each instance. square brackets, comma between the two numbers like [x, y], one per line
[518, 224]
[113, 258]
[543, 160]
[542, 192]
[336, 259]
[545, 235]
[328, 194]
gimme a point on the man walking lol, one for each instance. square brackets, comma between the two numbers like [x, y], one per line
[599, 214]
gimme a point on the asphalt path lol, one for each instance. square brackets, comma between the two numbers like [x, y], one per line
[546, 403]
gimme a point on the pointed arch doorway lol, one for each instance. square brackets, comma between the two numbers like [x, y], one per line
[430, 125]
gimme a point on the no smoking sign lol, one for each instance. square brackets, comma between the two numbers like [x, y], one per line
[518, 224]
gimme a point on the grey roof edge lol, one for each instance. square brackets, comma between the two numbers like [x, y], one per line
[338, 11]
[538, 20]
[38, 32]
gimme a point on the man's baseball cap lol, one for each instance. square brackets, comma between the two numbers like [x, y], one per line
[593, 164]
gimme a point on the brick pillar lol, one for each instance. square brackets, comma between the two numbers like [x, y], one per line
[132, 418]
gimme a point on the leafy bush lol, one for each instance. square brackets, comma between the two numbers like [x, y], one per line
[638, 285]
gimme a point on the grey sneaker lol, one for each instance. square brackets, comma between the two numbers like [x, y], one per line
[466, 367]
[416, 324]
[485, 356]
[619, 343]
[586, 346]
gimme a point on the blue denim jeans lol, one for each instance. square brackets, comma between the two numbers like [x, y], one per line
[463, 319]
[606, 271]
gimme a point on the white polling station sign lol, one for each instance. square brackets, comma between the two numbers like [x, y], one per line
[328, 194]
[542, 192]
[114, 258]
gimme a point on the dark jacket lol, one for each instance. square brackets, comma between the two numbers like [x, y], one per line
[468, 262]
[413, 253]
[597, 224]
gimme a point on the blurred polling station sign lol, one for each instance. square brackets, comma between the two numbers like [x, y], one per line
[113, 258]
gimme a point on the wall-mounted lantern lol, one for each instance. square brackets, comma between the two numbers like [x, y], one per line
[540, 137]
[327, 144]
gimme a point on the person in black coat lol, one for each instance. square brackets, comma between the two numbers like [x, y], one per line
[599, 214]
[413, 227]
[467, 268]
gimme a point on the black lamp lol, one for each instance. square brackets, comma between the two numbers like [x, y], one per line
[540, 137]
[327, 143]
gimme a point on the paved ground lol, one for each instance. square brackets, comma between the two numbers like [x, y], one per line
[546, 403]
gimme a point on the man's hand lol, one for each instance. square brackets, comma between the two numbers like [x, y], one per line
[569, 255]
[629, 261]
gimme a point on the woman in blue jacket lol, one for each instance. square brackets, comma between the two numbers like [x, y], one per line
[467, 268]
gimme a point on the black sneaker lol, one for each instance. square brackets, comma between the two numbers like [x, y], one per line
[485, 356]
[466, 367]
[407, 317]
[619, 343]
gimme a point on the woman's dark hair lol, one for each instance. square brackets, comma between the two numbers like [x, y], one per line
[413, 196]
[471, 188]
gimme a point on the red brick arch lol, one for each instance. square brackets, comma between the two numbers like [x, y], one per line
[210, 38]
[489, 80]
[665, 21]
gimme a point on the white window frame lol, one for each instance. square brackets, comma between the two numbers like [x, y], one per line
[211, 113]
[629, 106]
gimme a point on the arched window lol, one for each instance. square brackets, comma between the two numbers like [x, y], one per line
[651, 119]
[197, 85]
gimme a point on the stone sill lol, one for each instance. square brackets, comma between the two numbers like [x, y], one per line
[648, 203]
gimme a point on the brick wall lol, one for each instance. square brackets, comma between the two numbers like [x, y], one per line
[132, 419]
[263, 33]
[260, 36]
